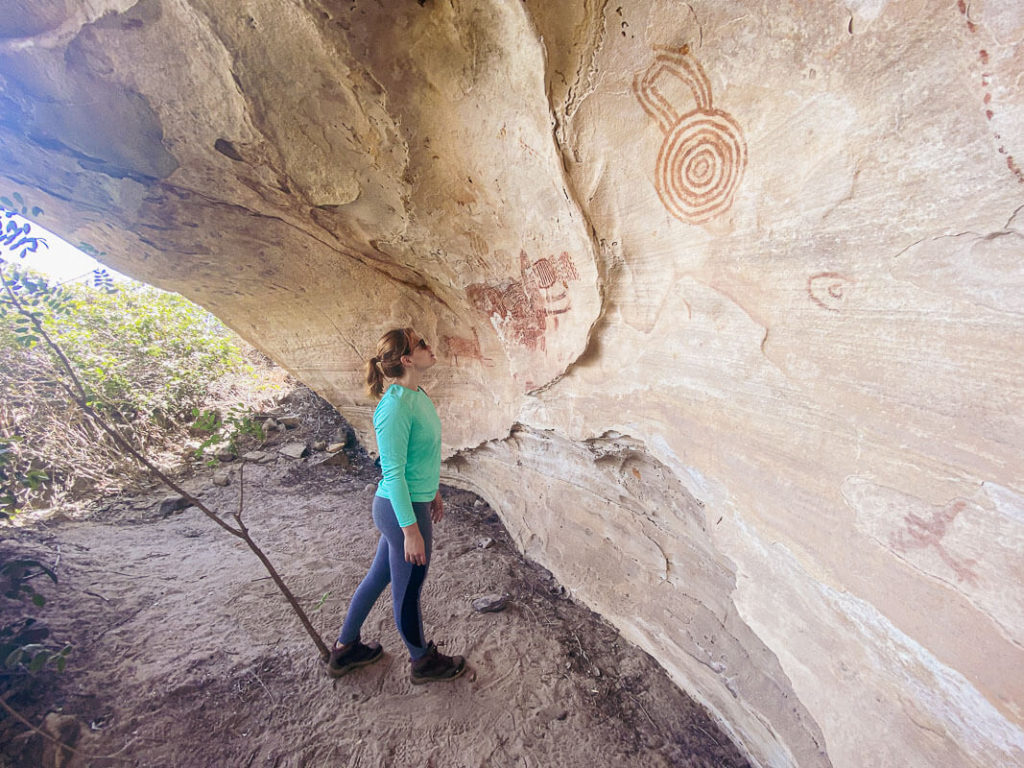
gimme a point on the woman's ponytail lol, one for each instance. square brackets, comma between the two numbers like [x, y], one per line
[388, 361]
[374, 378]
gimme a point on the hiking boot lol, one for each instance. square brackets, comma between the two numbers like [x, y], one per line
[351, 657]
[434, 666]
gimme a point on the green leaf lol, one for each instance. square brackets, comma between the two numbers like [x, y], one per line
[38, 661]
[25, 566]
[35, 478]
[13, 658]
[38, 599]
[62, 661]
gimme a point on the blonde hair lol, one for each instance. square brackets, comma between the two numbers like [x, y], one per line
[388, 360]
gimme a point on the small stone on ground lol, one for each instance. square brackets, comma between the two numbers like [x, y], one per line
[173, 504]
[294, 450]
[490, 603]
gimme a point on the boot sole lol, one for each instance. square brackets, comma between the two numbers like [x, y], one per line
[342, 671]
[424, 680]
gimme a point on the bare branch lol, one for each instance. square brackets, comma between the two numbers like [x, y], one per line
[130, 449]
[241, 496]
[18, 716]
[292, 601]
[78, 395]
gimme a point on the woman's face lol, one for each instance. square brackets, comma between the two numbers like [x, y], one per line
[421, 355]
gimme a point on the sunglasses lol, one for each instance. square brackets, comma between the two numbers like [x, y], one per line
[421, 344]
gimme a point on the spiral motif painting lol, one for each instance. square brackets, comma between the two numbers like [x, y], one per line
[828, 290]
[700, 166]
[703, 156]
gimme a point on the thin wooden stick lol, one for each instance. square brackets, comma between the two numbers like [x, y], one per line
[17, 716]
[81, 399]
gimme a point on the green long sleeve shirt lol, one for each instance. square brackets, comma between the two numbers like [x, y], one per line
[409, 440]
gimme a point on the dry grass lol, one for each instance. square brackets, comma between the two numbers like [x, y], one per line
[83, 463]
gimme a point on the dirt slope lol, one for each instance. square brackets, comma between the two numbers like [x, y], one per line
[185, 654]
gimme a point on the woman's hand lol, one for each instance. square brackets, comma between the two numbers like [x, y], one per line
[437, 508]
[415, 549]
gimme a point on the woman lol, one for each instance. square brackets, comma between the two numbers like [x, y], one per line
[406, 504]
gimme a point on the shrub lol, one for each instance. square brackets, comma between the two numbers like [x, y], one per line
[147, 353]
[24, 649]
[146, 359]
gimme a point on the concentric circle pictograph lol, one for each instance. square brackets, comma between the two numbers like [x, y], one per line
[700, 166]
[703, 156]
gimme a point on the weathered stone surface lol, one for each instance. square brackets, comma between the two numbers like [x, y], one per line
[172, 504]
[490, 603]
[727, 297]
[294, 450]
[339, 459]
[225, 454]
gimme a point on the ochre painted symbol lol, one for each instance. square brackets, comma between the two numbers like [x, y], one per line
[703, 156]
[520, 309]
[828, 290]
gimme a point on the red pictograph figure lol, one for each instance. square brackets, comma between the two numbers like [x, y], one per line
[922, 532]
[456, 347]
[703, 156]
[566, 268]
[520, 308]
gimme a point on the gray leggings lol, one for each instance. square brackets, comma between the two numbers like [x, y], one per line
[389, 566]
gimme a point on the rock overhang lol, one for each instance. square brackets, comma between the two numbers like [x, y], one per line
[721, 291]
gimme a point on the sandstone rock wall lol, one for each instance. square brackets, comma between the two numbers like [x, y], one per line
[728, 297]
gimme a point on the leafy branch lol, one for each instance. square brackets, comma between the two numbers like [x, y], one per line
[27, 301]
[34, 332]
[238, 423]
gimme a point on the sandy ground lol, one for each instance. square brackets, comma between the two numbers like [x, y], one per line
[186, 655]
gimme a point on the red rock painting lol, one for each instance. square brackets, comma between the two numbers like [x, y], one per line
[921, 532]
[520, 308]
[704, 155]
[459, 347]
[515, 317]
[565, 268]
[828, 290]
[987, 85]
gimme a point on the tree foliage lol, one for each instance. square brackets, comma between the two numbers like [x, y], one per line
[145, 358]
[107, 372]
